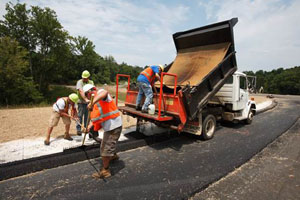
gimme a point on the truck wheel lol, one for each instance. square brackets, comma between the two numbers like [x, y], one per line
[208, 127]
[250, 117]
[138, 125]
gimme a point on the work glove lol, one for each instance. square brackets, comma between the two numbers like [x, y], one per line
[84, 130]
[90, 107]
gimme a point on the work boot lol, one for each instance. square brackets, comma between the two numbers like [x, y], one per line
[47, 142]
[79, 133]
[138, 108]
[114, 157]
[104, 173]
[68, 137]
[145, 111]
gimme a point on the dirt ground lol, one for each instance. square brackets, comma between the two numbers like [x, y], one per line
[33, 122]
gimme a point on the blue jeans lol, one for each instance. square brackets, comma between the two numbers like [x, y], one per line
[82, 114]
[146, 89]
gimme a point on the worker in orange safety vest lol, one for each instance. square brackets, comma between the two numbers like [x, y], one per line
[105, 115]
[145, 81]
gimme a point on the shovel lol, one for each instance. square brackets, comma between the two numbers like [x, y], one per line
[88, 120]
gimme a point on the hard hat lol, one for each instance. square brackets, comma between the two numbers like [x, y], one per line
[85, 74]
[74, 97]
[161, 67]
[87, 87]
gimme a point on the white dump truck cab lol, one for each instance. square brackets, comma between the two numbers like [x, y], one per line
[234, 97]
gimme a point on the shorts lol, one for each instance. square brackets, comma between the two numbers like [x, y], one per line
[54, 119]
[109, 141]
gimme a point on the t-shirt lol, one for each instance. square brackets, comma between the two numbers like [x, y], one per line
[59, 105]
[110, 124]
[143, 78]
[80, 85]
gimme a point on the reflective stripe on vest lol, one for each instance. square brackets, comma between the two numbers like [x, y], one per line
[150, 75]
[103, 115]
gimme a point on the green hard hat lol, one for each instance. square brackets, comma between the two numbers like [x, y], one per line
[74, 97]
[85, 74]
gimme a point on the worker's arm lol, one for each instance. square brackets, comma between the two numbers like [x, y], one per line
[74, 113]
[63, 113]
[102, 95]
[157, 77]
[81, 92]
[86, 130]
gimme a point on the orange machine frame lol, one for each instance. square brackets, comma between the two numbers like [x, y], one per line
[173, 108]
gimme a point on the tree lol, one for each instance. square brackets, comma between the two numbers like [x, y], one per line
[16, 24]
[85, 56]
[51, 41]
[15, 87]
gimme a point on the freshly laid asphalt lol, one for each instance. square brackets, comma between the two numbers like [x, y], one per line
[176, 169]
[273, 173]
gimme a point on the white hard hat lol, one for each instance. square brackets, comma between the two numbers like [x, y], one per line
[87, 87]
[161, 67]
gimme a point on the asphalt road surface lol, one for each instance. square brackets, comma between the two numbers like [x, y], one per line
[176, 169]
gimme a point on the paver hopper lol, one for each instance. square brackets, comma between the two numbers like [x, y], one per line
[205, 59]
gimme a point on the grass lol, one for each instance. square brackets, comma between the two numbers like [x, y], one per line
[57, 91]
[121, 95]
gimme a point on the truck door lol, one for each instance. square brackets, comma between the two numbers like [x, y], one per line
[243, 94]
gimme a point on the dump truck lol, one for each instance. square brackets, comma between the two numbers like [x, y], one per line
[187, 98]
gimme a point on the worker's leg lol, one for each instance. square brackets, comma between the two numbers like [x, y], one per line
[54, 119]
[140, 96]
[149, 96]
[105, 161]
[67, 122]
[47, 141]
[80, 115]
[85, 114]
[108, 151]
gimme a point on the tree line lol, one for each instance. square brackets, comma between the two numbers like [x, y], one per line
[36, 51]
[278, 81]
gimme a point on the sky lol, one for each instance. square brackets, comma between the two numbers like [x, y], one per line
[267, 35]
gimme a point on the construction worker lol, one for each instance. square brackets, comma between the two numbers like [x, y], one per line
[145, 81]
[104, 114]
[60, 110]
[83, 101]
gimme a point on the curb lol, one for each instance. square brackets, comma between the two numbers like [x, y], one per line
[69, 156]
[273, 105]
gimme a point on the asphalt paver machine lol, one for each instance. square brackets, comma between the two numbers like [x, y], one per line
[205, 60]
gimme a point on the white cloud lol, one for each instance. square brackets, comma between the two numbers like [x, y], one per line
[135, 33]
[140, 32]
[267, 34]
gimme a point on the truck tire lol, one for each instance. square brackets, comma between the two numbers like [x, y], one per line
[208, 127]
[250, 117]
[138, 125]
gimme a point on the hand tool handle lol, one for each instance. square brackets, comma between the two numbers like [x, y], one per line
[88, 120]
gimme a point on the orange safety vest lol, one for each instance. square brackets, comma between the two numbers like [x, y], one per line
[103, 111]
[150, 75]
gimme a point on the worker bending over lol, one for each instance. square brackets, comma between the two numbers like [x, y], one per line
[104, 114]
[60, 110]
[145, 81]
